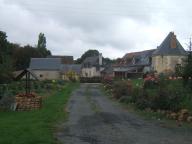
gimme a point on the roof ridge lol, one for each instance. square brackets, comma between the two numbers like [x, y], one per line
[167, 47]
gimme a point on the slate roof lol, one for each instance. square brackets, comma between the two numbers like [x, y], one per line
[125, 69]
[165, 47]
[141, 58]
[64, 59]
[92, 60]
[71, 67]
[45, 63]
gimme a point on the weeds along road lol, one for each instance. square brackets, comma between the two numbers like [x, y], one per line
[94, 119]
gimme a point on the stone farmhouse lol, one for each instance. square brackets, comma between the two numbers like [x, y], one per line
[162, 60]
[55, 68]
[169, 54]
[133, 64]
[92, 66]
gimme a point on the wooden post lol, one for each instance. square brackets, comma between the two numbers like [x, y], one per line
[27, 83]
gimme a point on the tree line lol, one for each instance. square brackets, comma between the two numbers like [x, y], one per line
[14, 57]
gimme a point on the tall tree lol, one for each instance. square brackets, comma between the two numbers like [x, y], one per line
[23, 55]
[188, 68]
[41, 45]
[5, 61]
[41, 41]
[3, 45]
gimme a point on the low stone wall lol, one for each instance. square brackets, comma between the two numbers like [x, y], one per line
[24, 103]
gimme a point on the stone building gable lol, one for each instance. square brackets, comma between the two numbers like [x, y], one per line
[170, 46]
[169, 54]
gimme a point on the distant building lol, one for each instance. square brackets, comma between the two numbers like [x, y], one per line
[70, 71]
[92, 66]
[64, 59]
[133, 64]
[53, 69]
[162, 60]
[107, 71]
[169, 54]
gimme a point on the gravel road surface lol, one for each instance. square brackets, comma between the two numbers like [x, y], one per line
[94, 119]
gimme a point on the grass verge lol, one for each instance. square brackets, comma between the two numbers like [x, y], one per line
[35, 127]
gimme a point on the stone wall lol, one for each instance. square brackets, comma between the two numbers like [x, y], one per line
[166, 63]
[47, 74]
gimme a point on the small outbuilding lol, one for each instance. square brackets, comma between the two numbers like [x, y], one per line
[54, 69]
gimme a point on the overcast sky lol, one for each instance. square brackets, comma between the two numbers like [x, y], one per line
[114, 27]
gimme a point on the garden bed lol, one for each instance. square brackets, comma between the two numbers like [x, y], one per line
[166, 97]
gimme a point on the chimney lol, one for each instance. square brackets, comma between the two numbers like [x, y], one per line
[100, 59]
[173, 42]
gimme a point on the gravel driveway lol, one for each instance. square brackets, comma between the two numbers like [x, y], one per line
[94, 119]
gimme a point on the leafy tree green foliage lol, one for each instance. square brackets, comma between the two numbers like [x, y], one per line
[41, 41]
[178, 70]
[41, 46]
[14, 57]
[3, 40]
[118, 60]
[91, 53]
[109, 61]
[6, 70]
[23, 55]
[88, 53]
[188, 71]
[3, 45]
[5, 61]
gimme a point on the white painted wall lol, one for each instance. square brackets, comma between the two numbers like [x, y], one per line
[90, 72]
[47, 75]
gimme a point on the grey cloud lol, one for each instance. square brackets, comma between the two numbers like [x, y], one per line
[112, 26]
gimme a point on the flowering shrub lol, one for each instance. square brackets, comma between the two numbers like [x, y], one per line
[150, 81]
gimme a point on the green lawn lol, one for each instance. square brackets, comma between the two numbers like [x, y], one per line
[35, 127]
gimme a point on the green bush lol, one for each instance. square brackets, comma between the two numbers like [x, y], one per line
[150, 84]
[167, 95]
[170, 95]
[168, 100]
[121, 88]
